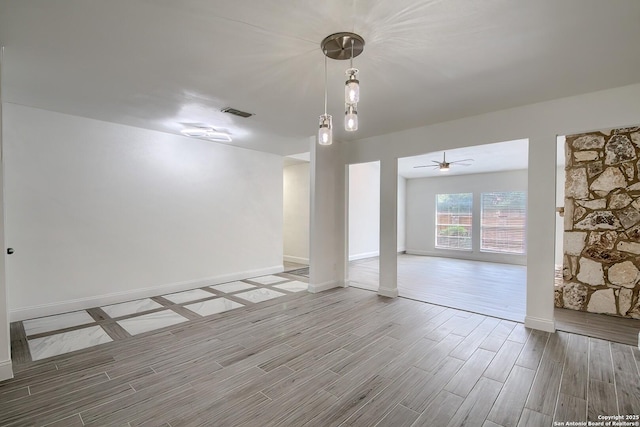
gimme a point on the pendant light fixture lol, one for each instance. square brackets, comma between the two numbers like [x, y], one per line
[325, 131]
[351, 96]
[341, 46]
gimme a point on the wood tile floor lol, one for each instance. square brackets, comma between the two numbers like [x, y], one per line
[341, 357]
[497, 290]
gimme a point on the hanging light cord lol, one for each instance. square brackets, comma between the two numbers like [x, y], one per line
[352, 41]
[325, 82]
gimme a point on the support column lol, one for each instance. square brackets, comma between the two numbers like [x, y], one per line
[327, 218]
[388, 228]
[541, 233]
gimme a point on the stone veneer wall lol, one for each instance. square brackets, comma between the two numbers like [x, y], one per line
[601, 269]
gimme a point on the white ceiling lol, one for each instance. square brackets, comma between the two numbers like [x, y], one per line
[158, 64]
[501, 156]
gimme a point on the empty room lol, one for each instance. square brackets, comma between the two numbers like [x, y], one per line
[278, 213]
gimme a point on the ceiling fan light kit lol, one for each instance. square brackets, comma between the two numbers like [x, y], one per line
[341, 46]
[444, 166]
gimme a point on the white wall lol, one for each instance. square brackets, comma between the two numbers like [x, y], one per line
[421, 197]
[99, 212]
[364, 210]
[402, 207]
[296, 187]
[540, 123]
[6, 370]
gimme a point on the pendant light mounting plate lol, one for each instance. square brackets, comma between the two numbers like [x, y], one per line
[338, 45]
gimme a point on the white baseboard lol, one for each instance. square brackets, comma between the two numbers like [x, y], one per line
[364, 255]
[320, 287]
[389, 293]
[296, 259]
[6, 370]
[545, 325]
[118, 297]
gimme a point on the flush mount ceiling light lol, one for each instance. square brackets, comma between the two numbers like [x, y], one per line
[207, 133]
[341, 46]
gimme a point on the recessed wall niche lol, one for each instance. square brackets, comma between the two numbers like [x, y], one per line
[601, 262]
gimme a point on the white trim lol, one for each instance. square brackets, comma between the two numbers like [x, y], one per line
[546, 325]
[118, 297]
[296, 259]
[320, 287]
[389, 293]
[364, 255]
[6, 370]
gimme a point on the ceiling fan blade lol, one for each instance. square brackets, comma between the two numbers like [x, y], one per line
[426, 166]
[435, 161]
[463, 160]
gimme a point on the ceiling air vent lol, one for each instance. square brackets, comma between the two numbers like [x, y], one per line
[236, 112]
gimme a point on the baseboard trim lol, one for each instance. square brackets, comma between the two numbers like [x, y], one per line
[325, 286]
[364, 255]
[472, 256]
[6, 370]
[296, 259]
[389, 293]
[118, 297]
[539, 323]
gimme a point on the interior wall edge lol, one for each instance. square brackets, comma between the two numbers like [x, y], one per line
[32, 312]
[6, 370]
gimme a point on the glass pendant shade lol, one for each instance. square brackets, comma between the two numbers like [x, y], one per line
[325, 130]
[352, 87]
[351, 118]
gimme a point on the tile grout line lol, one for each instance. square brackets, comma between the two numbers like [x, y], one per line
[586, 415]
[615, 383]
[81, 420]
[537, 371]
[564, 363]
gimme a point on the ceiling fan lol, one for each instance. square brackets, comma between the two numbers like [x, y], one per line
[444, 165]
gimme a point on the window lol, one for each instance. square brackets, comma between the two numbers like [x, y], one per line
[503, 222]
[453, 221]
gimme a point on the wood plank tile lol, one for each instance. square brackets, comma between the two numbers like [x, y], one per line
[379, 405]
[14, 394]
[404, 377]
[465, 379]
[519, 334]
[531, 353]
[504, 361]
[352, 401]
[508, 407]
[369, 368]
[576, 368]
[498, 336]
[428, 389]
[399, 416]
[72, 421]
[531, 418]
[439, 352]
[441, 409]
[627, 379]
[469, 345]
[19, 346]
[570, 408]
[475, 408]
[544, 392]
[601, 399]
[600, 363]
